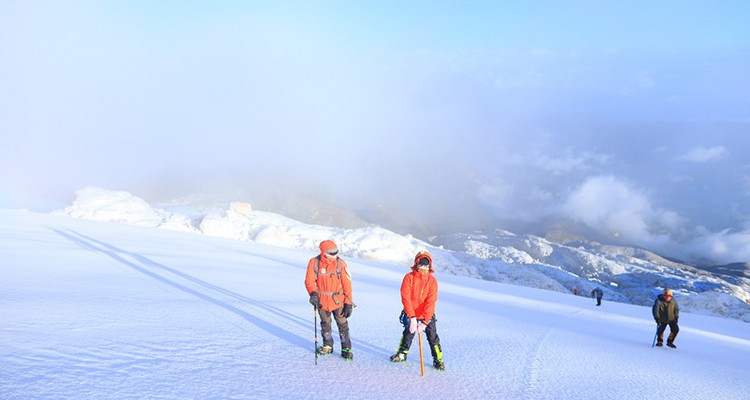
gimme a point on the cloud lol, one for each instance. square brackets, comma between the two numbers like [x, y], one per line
[522, 180]
[724, 246]
[568, 163]
[620, 211]
[703, 155]
[418, 133]
[680, 178]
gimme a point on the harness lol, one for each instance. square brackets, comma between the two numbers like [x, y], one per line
[338, 276]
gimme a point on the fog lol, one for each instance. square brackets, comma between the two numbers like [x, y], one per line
[627, 123]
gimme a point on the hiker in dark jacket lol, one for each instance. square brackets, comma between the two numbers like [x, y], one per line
[598, 293]
[666, 312]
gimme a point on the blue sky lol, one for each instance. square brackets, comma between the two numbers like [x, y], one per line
[526, 113]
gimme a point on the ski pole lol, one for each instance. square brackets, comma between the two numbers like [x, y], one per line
[315, 327]
[655, 335]
[421, 359]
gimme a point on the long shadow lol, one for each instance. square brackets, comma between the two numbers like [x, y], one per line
[146, 261]
[114, 253]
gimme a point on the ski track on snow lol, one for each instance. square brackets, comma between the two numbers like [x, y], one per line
[534, 357]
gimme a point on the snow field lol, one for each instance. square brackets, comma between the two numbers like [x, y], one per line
[96, 310]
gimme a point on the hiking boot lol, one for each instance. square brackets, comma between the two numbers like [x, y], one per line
[438, 364]
[323, 350]
[670, 344]
[398, 357]
[659, 344]
[347, 354]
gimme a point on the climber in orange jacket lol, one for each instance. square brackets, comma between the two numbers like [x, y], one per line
[329, 284]
[419, 291]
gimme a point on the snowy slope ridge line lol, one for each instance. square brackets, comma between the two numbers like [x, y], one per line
[96, 310]
[625, 274]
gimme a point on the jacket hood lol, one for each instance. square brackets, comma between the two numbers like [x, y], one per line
[422, 255]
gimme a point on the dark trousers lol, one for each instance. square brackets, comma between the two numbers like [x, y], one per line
[599, 300]
[673, 329]
[432, 338]
[341, 322]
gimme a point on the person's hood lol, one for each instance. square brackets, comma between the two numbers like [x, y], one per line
[326, 246]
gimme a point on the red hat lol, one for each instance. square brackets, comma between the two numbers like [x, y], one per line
[326, 246]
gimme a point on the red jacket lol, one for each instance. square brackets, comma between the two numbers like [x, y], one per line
[419, 294]
[334, 289]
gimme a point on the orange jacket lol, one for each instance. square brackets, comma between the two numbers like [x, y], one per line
[419, 294]
[334, 289]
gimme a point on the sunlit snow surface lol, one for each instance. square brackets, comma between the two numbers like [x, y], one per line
[95, 310]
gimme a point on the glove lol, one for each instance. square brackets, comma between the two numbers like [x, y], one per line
[413, 325]
[675, 320]
[315, 300]
[421, 326]
[657, 321]
[347, 311]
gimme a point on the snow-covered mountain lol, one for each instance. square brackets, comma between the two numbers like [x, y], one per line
[626, 274]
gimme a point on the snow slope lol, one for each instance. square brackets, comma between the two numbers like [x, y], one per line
[95, 310]
[625, 274]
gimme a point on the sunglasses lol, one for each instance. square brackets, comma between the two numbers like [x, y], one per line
[423, 262]
[333, 252]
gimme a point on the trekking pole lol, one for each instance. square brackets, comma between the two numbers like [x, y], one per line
[315, 327]
[421, 359]
[655, 335]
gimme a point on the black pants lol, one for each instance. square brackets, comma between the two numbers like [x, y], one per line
[599, 301]
[432, 338]
[341, 322]
[673, 329]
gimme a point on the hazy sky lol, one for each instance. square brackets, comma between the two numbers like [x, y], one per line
[630, 118]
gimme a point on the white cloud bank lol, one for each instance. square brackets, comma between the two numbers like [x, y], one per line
[724, 245]
[621, 211]
[612, 206]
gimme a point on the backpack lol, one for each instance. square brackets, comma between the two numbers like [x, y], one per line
[338, 275]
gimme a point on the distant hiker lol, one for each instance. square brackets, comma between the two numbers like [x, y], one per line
[575, 291]
[666, 312]
[598, 293]
[329, 284]
[419, 291]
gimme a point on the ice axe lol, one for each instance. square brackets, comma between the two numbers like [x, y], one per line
[421, 358]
